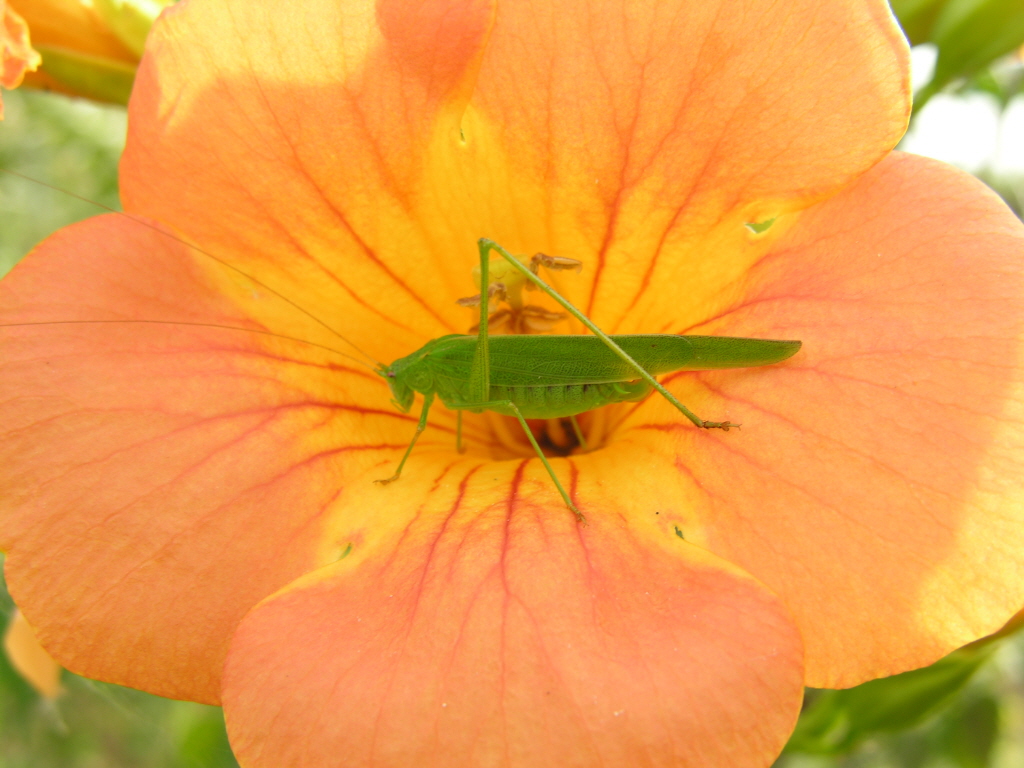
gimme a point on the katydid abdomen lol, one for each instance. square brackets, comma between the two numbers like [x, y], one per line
[553, 401]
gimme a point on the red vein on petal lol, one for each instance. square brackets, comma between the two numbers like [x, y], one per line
[513, 489]
[207, 515]
[574, 477]
[298, 165]
[823, 500]
[417, 591]
[449, 516]
[214, 326]
[268, 414]
[447, 468]
[695, 185]
[141, 220]
[613, 218]
[513, 494]
[343, 219]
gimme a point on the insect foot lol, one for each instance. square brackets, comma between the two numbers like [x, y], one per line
[725, 426]
[386, 480]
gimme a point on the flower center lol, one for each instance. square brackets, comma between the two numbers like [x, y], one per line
[509, 313]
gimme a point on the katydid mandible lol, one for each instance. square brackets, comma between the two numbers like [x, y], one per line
[546, 377]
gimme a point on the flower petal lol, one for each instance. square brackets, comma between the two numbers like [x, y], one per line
[513, 637]
[166, 462]
[628, 130]
[357, 176]
[875, 484]
[297, 154]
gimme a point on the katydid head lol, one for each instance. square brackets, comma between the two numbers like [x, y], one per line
[401, 393]
[417, 372]
[409, 375]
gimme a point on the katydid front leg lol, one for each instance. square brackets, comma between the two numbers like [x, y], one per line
[428, 400]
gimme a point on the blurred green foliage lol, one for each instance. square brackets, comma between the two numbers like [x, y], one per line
[979, 49]
[836, 722]
[71, 143]
[964, 711]
[970, 35]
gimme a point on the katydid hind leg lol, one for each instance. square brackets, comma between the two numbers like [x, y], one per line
[489, 245]
[422, 425]
[494, 405]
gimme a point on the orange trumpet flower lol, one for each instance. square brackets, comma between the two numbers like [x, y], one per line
[187, 448]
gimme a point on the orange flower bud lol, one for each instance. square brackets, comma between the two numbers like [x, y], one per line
[30, 659]
[18, 56]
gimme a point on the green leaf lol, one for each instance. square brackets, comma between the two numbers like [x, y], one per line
[971, 730]
[917, 17]
[204, 743]
[970, 35]
[94, 77]
[835, 722]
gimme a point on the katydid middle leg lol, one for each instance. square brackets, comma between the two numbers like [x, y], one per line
[579, 432]
[498, 404]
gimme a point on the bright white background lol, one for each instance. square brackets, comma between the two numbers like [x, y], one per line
[966, 130]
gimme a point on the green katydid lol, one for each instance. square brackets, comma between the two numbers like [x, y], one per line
[557, 376]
